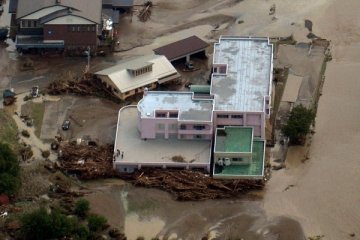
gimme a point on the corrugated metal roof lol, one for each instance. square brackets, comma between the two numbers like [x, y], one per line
[89, 9]
[118, 3]
[125, 81]
[248, 77]
[70, 19]
[190, 109]
[181, 48]
[44, 12]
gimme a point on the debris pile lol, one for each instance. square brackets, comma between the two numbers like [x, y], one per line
[145, 12]
[92, 162]
[88, 85]
[193, 186]
[87, 162]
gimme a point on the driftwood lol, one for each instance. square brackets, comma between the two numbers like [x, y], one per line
[145, 13]
[92, 162]
[88, 85]
[87, 162]
[192, 185]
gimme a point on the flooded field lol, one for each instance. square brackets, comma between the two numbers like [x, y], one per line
[153, 213]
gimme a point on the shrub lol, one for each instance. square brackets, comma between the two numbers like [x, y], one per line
[82, 207]
[27, 98]
[26, 152]
[40, 224]
[45, 154]
[96, 223]
[298, 124]
[9, 170]
[25, 133]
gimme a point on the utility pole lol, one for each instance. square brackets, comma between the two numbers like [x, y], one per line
[88, 59]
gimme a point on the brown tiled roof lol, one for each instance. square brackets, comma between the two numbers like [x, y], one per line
[181, 48]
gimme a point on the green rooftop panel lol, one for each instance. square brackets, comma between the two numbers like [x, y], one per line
[253, 169]
[234, 139]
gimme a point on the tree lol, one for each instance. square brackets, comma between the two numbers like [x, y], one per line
[9, 170]
[40, 224]
[96, 223]
[82, 207]
[298, 124]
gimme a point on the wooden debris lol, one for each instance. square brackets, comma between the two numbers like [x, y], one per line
[92, 162]
[87, 162]
[191, 185]
[87, 85]
[145, 12]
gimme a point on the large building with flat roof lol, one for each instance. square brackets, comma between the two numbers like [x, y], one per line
[232, 116]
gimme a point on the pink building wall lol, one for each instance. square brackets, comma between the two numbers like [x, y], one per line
[249, 119]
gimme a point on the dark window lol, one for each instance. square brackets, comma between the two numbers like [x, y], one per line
[215, 70]
[28, 23]
[173, 115]
[199, 127]
[238, 159]
[160, 115]
[222, 69]
[237, 116]
[223, 116]
[198, 136]
[183, 127]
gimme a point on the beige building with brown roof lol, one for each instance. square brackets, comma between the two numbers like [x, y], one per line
[130, 77]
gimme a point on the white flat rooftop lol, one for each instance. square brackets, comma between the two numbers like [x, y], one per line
[249, 71]
[188, 107]
[156, 151]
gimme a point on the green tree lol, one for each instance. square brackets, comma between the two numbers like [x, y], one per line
[82, 207]
[96, 223]
[9, 170]
[40, 224]
[298, 124]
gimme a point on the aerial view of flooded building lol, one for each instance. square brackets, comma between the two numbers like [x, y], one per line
[232, 116]
[62, 24]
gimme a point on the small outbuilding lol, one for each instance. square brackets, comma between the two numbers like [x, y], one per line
[183, 49]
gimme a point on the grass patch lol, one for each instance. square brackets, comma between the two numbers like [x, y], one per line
[8, 130]
[37, 114]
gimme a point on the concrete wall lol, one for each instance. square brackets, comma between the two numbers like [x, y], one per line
[131, 167]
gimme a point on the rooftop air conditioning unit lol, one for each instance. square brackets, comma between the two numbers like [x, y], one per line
[227, 162]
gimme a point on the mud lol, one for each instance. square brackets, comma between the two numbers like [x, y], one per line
[153, 213]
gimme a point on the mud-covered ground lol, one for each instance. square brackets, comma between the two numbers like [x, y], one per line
[153, 213]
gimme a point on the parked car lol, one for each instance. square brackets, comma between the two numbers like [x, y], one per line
[35, 91]
[66, 125]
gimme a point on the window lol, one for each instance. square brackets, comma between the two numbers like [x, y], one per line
[160, 126]
[183, 127]
[160, 115]
[198, 137]
[173, 115]
[215, 70]
[28, 24]
[223, 116]
[173, 126]
[199, 127]
[237, 159]
[237, 116]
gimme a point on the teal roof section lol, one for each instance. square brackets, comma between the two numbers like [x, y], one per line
[200, 89]
[254, 169]
[234, 139]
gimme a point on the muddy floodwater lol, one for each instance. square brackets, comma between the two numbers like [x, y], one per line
[153, 213]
